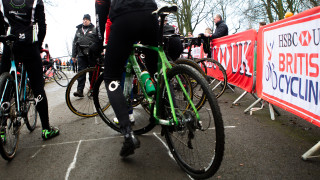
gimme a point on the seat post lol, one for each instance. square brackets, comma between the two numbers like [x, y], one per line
[162, 18]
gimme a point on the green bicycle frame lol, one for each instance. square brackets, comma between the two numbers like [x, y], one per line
[163, 65]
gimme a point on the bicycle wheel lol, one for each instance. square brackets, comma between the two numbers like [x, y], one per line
[9, 122]
[81, 106]
[219, 82]
[104, 109]
[32, 113]
[61, 78]
[197, 93]
[197, 146]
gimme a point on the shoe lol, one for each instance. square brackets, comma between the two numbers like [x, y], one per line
[129, 145]
[50, 133]
[131, 118]
[78, 94]
[3, 135]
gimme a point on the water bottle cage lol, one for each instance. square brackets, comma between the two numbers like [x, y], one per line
[155, 76]
[145, 83]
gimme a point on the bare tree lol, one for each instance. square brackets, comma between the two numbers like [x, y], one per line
[276, 9]
[49, 2]
[190, 13]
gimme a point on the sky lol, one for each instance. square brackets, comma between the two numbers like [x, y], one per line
[62, 19]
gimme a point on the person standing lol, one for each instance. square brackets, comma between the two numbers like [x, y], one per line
[85, 38]
[221, 28]
[27, 23]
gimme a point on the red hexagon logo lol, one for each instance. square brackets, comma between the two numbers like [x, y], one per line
[305, 38]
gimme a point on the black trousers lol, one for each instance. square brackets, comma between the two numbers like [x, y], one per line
[30, 56]
[83, 63]
[127, 29]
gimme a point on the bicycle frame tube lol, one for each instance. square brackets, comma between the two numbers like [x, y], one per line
[163, 65]
[95, 75]
[137, 70]
[13, 69]
[23, 84]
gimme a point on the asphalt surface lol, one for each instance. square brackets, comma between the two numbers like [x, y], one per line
[256, 147]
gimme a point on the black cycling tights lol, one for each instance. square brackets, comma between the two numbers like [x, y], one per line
[30, 56]
[125, 31]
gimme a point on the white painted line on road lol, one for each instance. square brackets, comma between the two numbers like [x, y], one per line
[73, 164]
[226, 127]
[96, 120]
[43, 146]
[98, 139]
[164, 144]
[70, 142]
[73, 142]
[170, 154]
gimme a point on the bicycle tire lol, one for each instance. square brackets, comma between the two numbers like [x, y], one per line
[32, 113]
[197, 147]
[196, 94]
[81, 106]
[8, 145]
[217, 86]
[192, 64]
[141, 126]
[61, 78]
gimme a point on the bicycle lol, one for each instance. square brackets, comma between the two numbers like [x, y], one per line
[138, 95]
[218, 83]
[17, 103]
[50, 72]
[187, 129]
[84, 106]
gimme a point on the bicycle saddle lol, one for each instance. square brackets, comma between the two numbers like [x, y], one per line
[166, 10]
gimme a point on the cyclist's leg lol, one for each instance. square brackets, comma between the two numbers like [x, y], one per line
[117, 52]
[5, 66]
[30, 55]
[150, 37]
[5, 60]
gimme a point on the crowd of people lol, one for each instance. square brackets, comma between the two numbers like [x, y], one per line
[29, 26]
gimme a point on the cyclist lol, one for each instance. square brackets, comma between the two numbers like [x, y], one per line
[47, 61]
[24, 18]
[132, 21]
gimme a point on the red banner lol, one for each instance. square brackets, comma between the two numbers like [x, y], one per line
[288, 64]
[236, 54]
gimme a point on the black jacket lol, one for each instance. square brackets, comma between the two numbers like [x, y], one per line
[84, 36]
[221, 30]
[118, 8]
[24, 17]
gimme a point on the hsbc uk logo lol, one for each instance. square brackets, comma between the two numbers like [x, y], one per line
[303, 38]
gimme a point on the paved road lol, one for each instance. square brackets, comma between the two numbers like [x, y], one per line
[256, 147]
